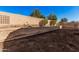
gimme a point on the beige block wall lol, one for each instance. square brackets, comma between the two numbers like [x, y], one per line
[16, 19]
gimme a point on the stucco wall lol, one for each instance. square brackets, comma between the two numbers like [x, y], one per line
[70, 25]
[17, 19]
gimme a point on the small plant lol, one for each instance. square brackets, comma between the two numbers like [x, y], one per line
[52, 22]
[43, 23]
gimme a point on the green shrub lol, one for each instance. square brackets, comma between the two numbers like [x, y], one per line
[43, 23]
[52, 22]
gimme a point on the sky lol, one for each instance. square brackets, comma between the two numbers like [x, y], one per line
[69, 12]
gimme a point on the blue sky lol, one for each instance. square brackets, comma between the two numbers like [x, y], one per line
[70, 12]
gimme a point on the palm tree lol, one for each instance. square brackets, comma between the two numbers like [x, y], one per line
[37, 13]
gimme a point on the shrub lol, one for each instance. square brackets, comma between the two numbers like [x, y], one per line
[43, 23]
[52, 22]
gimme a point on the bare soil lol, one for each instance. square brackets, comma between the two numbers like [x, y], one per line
[60, 40]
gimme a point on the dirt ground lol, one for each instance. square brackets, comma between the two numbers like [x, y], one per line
[60, 40]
